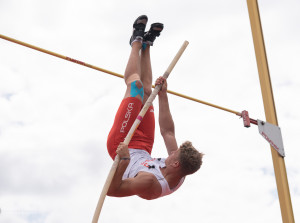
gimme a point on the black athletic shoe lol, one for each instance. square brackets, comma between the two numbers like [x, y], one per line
[154, 32]
[139, 26]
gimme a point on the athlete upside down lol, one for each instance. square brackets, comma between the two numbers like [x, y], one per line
[138, 173]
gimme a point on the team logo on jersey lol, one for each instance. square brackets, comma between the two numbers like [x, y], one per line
[127, 117]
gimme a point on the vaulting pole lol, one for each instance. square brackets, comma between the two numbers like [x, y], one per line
[270, 111]
[132, 130]
[108, 72]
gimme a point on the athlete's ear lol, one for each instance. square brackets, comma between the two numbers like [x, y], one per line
[176, 164]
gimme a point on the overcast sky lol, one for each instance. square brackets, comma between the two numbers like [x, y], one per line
[55, 115]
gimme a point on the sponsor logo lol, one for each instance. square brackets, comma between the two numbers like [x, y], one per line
[270, 141]
[127, 117]
[146, 163]
[76, 61]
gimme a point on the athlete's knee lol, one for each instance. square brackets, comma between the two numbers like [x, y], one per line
[139, 84]
[137, 89]
[130, 78]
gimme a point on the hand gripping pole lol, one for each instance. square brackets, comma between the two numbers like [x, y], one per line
[132, 130]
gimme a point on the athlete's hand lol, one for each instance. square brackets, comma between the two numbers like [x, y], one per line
[122, 150]
[163, 81]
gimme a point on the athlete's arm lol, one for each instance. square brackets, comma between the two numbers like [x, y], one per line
[144, 185]
[166, 123]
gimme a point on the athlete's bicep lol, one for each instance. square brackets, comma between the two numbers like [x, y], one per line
[133, 186]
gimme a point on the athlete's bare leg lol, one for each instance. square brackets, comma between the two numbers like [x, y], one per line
[133, 69]
[146, 72]
[132, 74]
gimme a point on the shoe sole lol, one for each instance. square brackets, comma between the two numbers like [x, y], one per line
[140, 20]
[157, 25]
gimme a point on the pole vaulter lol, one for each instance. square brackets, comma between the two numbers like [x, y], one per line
[132, 131]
